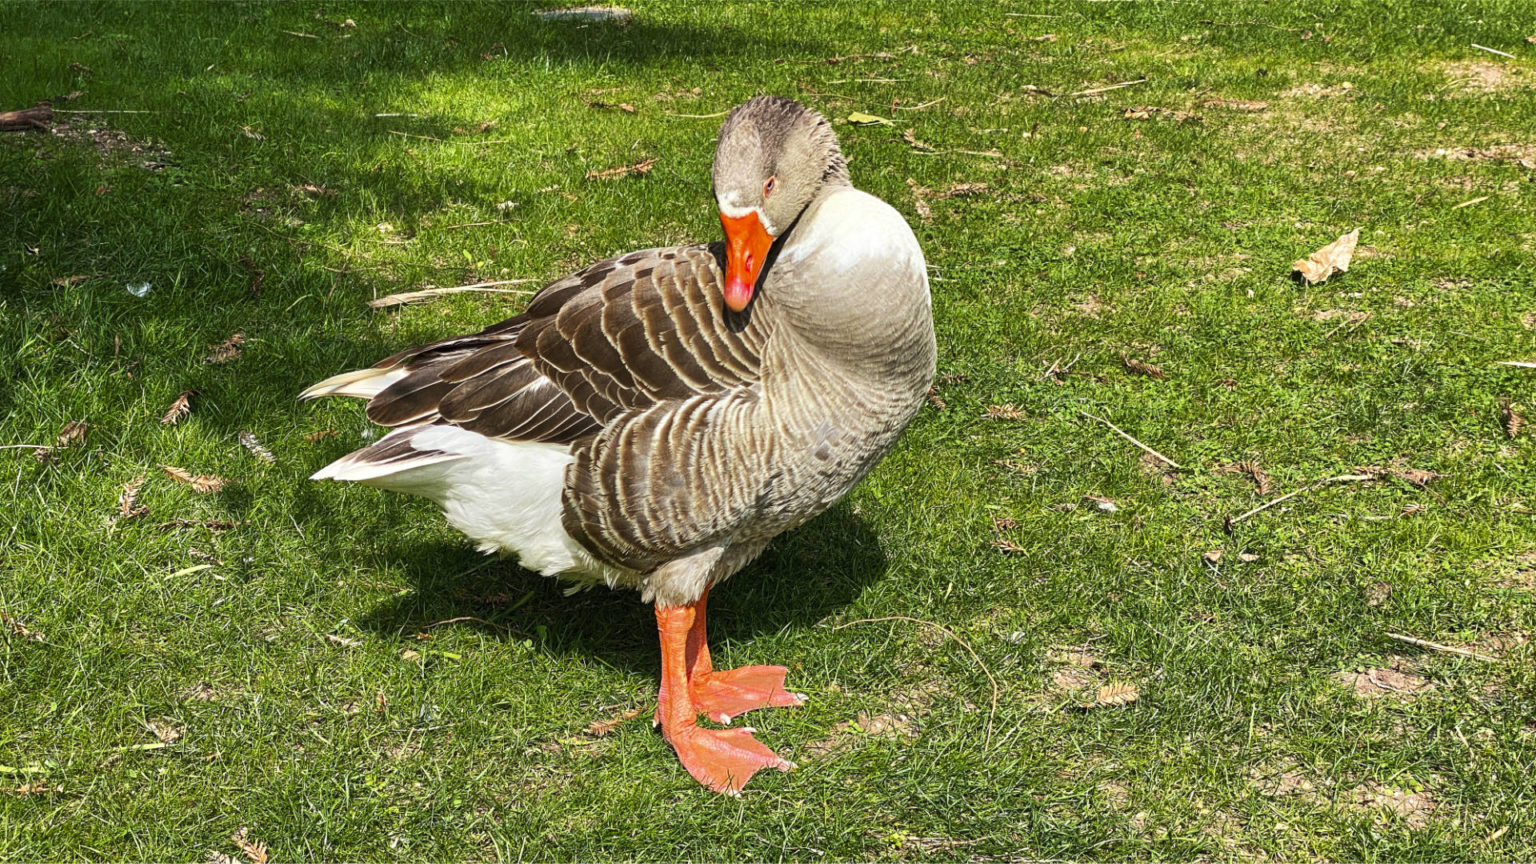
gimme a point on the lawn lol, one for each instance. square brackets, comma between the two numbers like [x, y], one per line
[333, 671]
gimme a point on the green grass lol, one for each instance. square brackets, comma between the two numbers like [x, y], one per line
[1167, 240]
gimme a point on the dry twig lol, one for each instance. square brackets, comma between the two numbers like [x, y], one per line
[1126, 435]
[1436, 646]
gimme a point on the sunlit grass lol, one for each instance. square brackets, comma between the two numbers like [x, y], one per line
[1167, 241]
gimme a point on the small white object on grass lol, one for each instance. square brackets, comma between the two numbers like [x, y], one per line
[140, 290]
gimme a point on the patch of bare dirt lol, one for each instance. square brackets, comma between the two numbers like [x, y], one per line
[1414, 807]
[1395, 680]
[1318, 91]
[1523, 155]
[1479, 76]
[112, 144]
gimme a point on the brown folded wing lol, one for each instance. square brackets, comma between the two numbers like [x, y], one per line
[621, 336]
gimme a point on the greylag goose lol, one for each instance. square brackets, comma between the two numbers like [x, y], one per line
[654, 420]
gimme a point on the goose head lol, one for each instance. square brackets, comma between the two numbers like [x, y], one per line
[773, 158]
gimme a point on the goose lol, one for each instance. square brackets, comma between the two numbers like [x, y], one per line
[654, 420]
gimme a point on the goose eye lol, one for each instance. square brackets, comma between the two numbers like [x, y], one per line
[768, 187]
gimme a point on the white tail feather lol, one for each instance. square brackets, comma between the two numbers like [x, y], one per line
[362, 383]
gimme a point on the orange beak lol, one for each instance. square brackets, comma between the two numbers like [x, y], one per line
[746, 246]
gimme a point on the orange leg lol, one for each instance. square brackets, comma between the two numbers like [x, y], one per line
[722, 759]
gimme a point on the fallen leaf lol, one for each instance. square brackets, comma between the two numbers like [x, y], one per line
[919, 193]
[1003, 412]
[599, 728]
[73, 433]
[127, 502]
[227, 350]
[1138, 366]
[642, 167]
[1213, 556]
[1003, 523]
[1514, 421]
[1377, 593]
[254, 850]
[180, 408]
[342, 641]
[251, 443]
[38, 787]
[1005, 545]
[1416, 476]
[910, 137]
[200, 555]
[1333, 258]
[165, 729]
[410, 656]
[16, 628]
[312, 437]
[257, 274]
[68, 281]
[200, 483]
[859, 118]
[1113, 696]
[1256, 474]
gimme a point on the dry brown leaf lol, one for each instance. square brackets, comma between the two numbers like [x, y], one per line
[1113, 695]
[919, 195]
[1003, 523]
[1256, 474]
[199, 555]
[254, 850]
[1005, 545]
[128, 506]
[312, 437]
[1213, 556]
[16, 628]
[1138, 366]
[67, 281]
[1333, 258]
[73, 433]
[257, 274]
[37, 787]
[1003, 412]
[1416, 476]
[1377, 593]
[251, 443]
[200, 483]
[180, 408]
[599, 728]
[642, 167]
[1514, 421]
[165, 729]
[227, 350]
[910, 136]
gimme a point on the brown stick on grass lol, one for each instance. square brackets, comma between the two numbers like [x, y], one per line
[27, 119]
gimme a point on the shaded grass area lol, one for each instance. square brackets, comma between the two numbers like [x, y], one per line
[289, 689]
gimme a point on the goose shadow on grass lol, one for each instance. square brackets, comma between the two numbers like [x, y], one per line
[803, 577]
